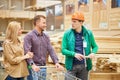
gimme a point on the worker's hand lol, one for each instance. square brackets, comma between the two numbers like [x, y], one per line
[30, 54]
[59, 67]
[91, 56]
[35, 68]
[79, 56]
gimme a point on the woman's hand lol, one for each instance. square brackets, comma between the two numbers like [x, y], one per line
[29, 55]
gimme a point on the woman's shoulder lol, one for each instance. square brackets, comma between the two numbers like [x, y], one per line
[7, 42]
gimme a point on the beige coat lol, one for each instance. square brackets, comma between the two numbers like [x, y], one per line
[14, 63]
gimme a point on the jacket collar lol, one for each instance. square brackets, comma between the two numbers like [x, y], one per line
[83, 29]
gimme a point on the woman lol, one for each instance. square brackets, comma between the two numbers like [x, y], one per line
[14, 58]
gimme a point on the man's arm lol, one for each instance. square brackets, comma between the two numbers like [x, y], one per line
[27, 47]
[54, 56]
[51, 51]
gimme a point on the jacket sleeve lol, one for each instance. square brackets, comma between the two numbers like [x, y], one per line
[93, 44]
[65, 50]
[10, 55]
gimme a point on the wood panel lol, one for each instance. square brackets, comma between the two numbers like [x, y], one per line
[28, 25]
[100, 15]
[114, 18]
[104, 76]
[103, 16]
[87, 21]
[108, 44]
[32, 14]
[84, 7]
[16, 5]
[40, 13]
[67, 22]
[19, 14]
[87, 17]
[27, 3]
[3, 25]
[4, 13]
[95, 19]
[4, 4]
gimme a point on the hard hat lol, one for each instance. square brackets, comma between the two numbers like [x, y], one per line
[78, 16]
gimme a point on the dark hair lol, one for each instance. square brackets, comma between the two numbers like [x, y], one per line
[80, 20]
[37, 17]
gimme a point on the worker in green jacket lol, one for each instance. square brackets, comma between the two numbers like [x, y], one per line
[79, 47]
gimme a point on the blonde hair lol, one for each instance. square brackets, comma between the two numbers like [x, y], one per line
[12, 31]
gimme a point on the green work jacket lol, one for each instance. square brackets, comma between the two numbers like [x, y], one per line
[68, 47]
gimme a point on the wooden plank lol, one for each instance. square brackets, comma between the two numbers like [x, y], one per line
[31, 14]
[19, 14]
[103, 16]
[40, 13]
[108, 44]
[114, 18]
[4, 4]
[4, 13]
[104, 76]
[114, 10]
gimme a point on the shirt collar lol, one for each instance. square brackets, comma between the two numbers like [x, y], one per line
[37, 33]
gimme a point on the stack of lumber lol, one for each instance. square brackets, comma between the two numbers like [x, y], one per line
[104, 76]
[106, 63]
[108, 44]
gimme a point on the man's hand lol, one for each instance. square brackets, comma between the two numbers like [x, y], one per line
[35, 68]
[91, 56]
[59, 67]
[79, 56]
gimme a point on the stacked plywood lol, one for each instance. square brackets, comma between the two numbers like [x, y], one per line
[108, 44]
[103, 65]
[106, 63]
[114, 19]
[106, 67]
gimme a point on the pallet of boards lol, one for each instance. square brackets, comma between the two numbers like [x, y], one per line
[106, 63]
[108, 44]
